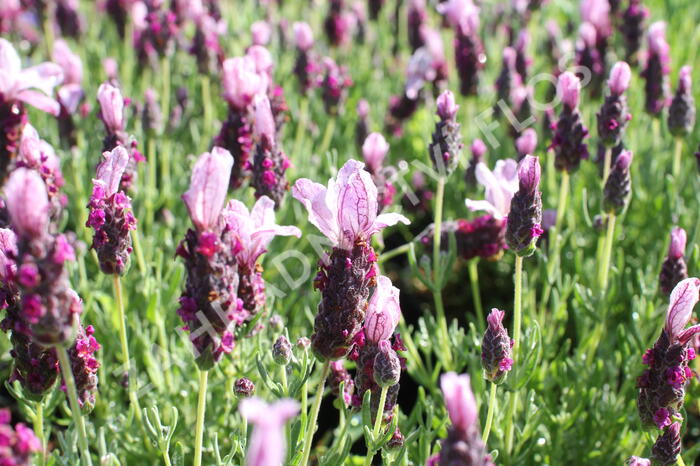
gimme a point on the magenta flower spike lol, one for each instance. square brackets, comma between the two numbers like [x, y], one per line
[525, 216]
[378, 364]
[267, 443]
[463, 444]
[617, 189]
[470, 59]
[210, 263]
[251, 233]
[569, 132]
[270, 162]
[681, 112]
[674, 269]
[84, 366]
[334, 83]
[632, 29]
[18, 87]
[496, 353]
[614, 115]
[446, 144]
[110, 213]
[306, 67]
[657, 68]
[346, 213]
[19, 442]
[662, 384]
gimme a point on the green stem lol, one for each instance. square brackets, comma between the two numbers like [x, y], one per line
[39, 429]
[140, 261]
[377, 426]
[606, 164]
[476, 294]
[314, 415]
[64, 362]
[677, 152]
[48, 32]
[327, 136]
[437, 284]
[607, 252]
[517, 318]
[125, 345]
[385, 256]
[489, 415]
[283, 376]
[199, 427]
[166, 458]
[152, 188]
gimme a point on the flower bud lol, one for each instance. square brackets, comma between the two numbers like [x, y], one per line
[244, 388]
[569, 88]
[681, 113]
[674, 269]
[618, 185]
[303, 343]
[668, 446]
[524, 220]
[620, 77]
[526, 143]
[374, 151]
[282, 351]
[496, 348]
[303, 36]
[23, 189]
[387, 366]
[446, 106]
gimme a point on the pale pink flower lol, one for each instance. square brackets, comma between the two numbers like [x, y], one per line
[374, 150]
[527, 142]
[71, 92]
[346, 210]
[500, 186]
[267, 443]
[27, 203]
[260, 32]
[264, 121]
[530, 172]
[20, 84]
[35, 152]
[383, 311]
[657, 39]
[254, 229]
[446, 105]
[262, 59]
[678, 241]
[241, 82]
[208, 186]
[685, 79]
[683, 299]
[111, 169]
[461, 14]
[459, 400]
[620, 77]
[111, 107]
[111, 68]
[597, 12]
[569, 88]
[303, 36]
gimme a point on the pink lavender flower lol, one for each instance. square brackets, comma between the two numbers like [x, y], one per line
[507, 80]
[84, 366]
[681, 112]
[617, 189]
[463, 444]
[478, 150]
[338, 23]
[110, 213]
[334, 84]
[70, 94]
[417, 16]
[38, 155]
[206, 46]
[674, 269]
[18, 443]
[209, 305]
[346, 213]
[569, 131]
[525, 216]
[496, 348]
[500, 186]
[260, 32]
[270, 162]
[637, 461]
[19, 86]
[657, 68]
[470, 59]
[446, 144]
[632, 29]
[306, 67]
[252, 231]
[377, 362]
[155, 31]
[526, 143]
[26, 188]
[339, 374]
[662, 384]
[113, 116]
[374, 151]
[614, 115]
[267, 443]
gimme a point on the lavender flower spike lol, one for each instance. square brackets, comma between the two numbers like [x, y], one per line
[267, 443]
[569, 131]
[463, 444]
[110, 213]
[614, 115]
[446, 144]
[618, 186]
[657, 69]
[674, 269]
[496, 348]
[681, 113]
[524, 220]
[662, 385]
[346, 213]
